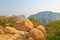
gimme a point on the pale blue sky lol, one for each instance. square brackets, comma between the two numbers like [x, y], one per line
[28, 7]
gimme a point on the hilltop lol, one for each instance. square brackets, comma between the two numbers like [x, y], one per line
[46, 16]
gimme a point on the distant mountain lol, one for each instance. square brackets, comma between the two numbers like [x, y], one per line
[46, 16]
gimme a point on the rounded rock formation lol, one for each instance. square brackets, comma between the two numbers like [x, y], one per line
[23, 25]
[42, 28]
[36, 34]
[11, 33]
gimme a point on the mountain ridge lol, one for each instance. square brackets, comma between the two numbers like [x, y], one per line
[46, 16]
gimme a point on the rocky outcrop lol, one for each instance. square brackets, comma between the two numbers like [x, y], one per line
[23, 25]
[10, 33]
[36, 34]
[23, 30]
[42, 28]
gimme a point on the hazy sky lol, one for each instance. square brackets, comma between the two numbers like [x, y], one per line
[28, 7]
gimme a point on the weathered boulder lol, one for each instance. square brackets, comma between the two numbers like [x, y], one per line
[23, 25]
[11, 30]
[13, 34]
[42, 28]
[36, 34]
[1, 29]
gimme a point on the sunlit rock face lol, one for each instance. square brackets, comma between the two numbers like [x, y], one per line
[10, 33]
[36, 34]
[23, 30]
[42, 28]
[23, 25]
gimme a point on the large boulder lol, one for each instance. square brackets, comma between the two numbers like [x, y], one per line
[42, 28]
[11, 33]
[23, 25]
[1, 29]
[13, 30]
[36, 34]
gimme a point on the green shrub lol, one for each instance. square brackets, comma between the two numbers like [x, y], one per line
[34, 21]
[53, 30]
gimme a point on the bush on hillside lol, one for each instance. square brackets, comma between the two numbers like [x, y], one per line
[34, 21]
[53, 30]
